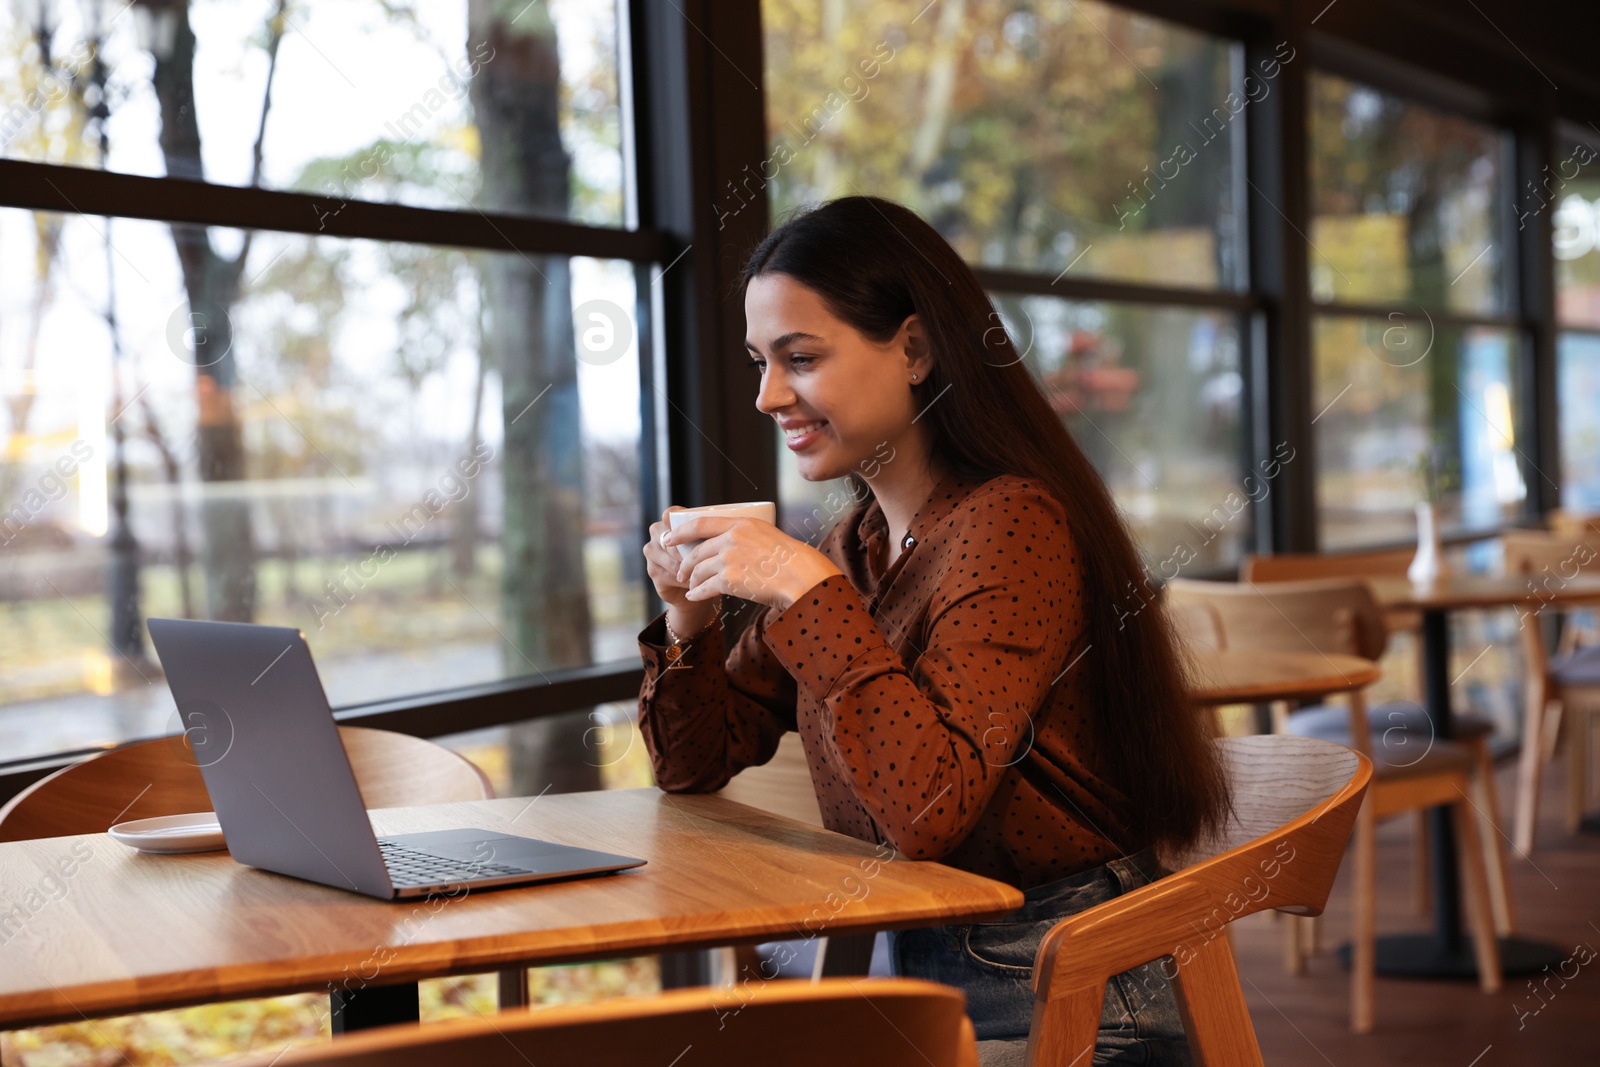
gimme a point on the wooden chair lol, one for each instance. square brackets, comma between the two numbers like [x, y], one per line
[1470, 729]
[1198, 625]
[1583, 625]
[1577, 525]
[877, 1022]
[783, 786]
[160, 777]
[1342, 616]
[1309, 566]
[1562, 693]
[1294, 802]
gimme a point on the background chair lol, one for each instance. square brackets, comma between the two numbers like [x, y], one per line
[879, 1022]
[1308, 566]
[1293, 805]
[783, 786]
[1469, 728]
[160, 777]
[1562, 693]
[1197, 625]
[1339, 616]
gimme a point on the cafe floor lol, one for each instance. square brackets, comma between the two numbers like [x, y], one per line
[1556, 894]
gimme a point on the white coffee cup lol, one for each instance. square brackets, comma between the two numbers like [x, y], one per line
[765, 510]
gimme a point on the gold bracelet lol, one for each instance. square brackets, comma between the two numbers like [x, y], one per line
[676, 642]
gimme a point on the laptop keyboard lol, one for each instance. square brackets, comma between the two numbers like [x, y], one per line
[408, 867]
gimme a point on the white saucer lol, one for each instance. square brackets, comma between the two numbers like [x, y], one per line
[198, 832]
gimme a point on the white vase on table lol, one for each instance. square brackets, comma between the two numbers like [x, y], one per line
[1428, 566]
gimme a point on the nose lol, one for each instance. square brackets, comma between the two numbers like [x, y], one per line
[775, 393]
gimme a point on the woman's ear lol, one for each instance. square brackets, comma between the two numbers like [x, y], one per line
[914, 343]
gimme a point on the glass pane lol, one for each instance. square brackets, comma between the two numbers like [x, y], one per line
[1578, 383]
[1571, 188]
[1405, 202]
[1152, 396]
[1078, 136]
[440, 104]
[1388, 394]
[426, 459]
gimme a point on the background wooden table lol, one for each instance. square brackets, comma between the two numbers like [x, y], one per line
[1246, 676]
[99, 929]
[1447, 952]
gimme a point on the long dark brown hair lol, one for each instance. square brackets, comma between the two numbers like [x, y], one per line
[874, 264]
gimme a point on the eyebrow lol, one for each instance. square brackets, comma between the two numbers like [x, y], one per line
[785, 340]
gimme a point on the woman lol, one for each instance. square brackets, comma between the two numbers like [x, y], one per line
[970, 678]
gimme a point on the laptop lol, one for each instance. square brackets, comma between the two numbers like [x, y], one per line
[261, 730]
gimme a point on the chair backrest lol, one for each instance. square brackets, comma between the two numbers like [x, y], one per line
[782, 785]
[1549, 556]
[1333, 615]
[160, 777]
[1295, 803]
[1547, 560]
[1305, 566]
[1577, 525]
[876, 1022]
[1198, 623]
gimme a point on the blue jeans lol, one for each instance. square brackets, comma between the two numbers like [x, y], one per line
[992, 962]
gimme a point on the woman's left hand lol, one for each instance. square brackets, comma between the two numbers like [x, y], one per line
[747, 558]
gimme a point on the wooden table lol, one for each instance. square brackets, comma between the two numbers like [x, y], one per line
[1244, 676]
[1447, 952]
[99, 929]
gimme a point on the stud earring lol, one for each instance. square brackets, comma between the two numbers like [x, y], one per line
[913, 377]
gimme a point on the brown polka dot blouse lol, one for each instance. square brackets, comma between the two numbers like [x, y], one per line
[937, 702]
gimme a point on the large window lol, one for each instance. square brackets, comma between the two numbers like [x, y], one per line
[1054, 146]
[1415, 358]
[397, 102]
[428, 457]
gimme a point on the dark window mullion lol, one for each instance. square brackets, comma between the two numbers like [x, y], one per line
[77, 190]
[1095, 289]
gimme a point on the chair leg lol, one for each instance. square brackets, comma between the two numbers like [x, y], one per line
[1579, 722]
[1488, 811]
[513, 985]
[1421, 897]
[1530, 772]
[1211, 1005]
[1552, 731]
[1484, 941]
[1065, 1024]
[1294, 959]
[746, 963]
[1364, 935]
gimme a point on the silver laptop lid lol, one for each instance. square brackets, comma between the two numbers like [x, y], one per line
[264, 736]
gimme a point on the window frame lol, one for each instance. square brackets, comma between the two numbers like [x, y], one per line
[690, 122]
[673, 148]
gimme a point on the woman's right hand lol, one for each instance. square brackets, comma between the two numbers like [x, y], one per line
[661, 563]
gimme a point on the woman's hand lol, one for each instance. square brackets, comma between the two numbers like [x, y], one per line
[746, 558]
[661, 563]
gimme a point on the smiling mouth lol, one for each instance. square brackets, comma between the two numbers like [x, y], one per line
[801, 431]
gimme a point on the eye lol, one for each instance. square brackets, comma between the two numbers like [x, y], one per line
[800, 361]
[756, 364]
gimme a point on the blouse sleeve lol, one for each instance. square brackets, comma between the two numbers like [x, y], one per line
[716, 712]
[924, 749]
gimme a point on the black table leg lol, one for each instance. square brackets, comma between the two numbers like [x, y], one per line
[373, 1005]
[1447, 952]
